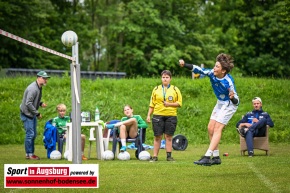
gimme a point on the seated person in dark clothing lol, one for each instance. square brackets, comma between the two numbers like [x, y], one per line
[254, 124]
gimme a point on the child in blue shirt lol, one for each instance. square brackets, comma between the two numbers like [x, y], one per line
[227, 103]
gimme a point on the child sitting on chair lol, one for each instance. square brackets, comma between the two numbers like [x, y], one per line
[129, 126]
[60, 123]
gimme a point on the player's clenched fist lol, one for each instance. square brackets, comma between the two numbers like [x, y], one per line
[181, 63]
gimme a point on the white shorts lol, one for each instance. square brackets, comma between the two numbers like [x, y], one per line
[223, 111]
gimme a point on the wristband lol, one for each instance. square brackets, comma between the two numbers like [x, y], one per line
[235, 101]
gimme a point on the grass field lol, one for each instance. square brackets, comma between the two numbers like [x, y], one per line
[236, 173]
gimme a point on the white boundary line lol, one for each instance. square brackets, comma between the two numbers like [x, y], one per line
[273, 187]
[22, 40]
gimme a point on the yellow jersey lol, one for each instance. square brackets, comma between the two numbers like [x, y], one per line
[160, 94]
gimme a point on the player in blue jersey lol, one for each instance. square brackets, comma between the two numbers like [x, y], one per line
[227, 103]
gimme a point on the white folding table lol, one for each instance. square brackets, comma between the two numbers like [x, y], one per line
[98, 133]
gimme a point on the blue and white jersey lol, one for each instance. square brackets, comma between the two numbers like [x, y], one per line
[221, 86]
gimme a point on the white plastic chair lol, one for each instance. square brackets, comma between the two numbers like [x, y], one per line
[106, 139]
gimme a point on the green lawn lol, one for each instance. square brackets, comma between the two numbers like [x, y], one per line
[236, 173]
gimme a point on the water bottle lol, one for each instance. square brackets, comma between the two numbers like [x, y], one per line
[97, 114]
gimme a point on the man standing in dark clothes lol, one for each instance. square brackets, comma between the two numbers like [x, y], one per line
[29, 112]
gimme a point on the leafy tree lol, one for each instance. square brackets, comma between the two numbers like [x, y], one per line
[255, 34]
[29, 19]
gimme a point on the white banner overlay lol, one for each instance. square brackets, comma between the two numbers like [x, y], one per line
[17, 38]
[51, 176]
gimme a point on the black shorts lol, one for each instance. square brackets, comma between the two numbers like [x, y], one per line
[164, 124]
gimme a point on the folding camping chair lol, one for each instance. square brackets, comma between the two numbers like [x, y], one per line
[139, 140]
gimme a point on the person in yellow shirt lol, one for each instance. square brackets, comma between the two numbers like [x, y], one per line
[165, 99]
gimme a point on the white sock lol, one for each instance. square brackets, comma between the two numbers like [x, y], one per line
[208, 153]
[123, 141]
[216, 153]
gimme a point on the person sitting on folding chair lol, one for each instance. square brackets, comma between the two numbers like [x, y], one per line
[254, 124]
[60, 123]
[129, 126]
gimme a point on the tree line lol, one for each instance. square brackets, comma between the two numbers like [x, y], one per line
[144, 37]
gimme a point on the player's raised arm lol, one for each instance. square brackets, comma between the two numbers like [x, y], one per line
[183, 64]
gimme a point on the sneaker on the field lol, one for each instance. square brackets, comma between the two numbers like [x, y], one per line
[216, 160]
[27, 157]
[170, 159]
[154, 159]
[34, 157]
[251, 153]
[123, 148]
[204, 161]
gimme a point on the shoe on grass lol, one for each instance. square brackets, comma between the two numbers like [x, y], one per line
[251, 153]
[204, 161]
[216, 160]
[123, 148]
[154, 159]
[170, 159]
[33, 157]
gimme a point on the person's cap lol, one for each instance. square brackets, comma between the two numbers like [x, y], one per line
[257, 99]
[43, 74]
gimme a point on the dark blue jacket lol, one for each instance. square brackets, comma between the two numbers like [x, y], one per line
[259, 114]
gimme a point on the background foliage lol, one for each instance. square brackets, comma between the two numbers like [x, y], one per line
[142, 38]
[111, 95]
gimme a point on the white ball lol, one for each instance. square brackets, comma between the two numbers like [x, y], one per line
[108, 155]
[69, 38]
[144, 156]
[55, 155]
[65, 155]
[124, 156]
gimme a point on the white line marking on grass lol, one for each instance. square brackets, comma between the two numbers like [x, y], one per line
[264, 179]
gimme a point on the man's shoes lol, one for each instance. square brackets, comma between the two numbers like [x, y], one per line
[241, 131]
[84, 158]
[216, 160]
[27, 157]
[123, 148]
[204, 161]
[251, 153]
[33, 157]
[170, 159]
[154, 159]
